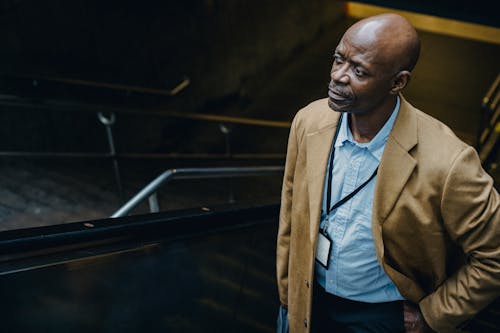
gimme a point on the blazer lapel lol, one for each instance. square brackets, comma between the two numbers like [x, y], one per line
[397, 164]
[318, 150]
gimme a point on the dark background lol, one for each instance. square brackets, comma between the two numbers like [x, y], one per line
[255, 59]
[236, 54]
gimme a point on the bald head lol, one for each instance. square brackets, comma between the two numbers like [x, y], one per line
[372, 64]
[392, 36]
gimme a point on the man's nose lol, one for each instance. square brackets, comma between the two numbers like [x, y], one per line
[339, 73]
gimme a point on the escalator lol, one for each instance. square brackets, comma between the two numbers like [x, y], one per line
[183, 271]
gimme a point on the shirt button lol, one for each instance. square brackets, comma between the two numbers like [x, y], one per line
[307, 283]
[305, 323]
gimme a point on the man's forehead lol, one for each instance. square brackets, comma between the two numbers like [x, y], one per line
[363, 54]
[355, 46]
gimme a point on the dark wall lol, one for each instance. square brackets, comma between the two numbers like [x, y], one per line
[153, 43]
[224, 47]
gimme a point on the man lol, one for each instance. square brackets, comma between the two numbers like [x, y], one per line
[387, 218]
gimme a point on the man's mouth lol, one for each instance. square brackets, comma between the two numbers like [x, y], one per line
[338, 96]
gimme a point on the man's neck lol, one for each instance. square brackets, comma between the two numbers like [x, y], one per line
[364, 127]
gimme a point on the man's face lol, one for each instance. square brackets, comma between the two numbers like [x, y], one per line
[361, 75]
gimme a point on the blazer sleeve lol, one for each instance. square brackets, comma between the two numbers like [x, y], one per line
[470, 211]
[283, 241]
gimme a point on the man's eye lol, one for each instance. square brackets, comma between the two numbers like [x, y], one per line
[337, 60]
[358, 71]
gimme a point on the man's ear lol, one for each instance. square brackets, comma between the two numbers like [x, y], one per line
[400, 81]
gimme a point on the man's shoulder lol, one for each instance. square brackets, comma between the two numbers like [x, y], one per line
[438, 146]
[429, 130]
[435, 132]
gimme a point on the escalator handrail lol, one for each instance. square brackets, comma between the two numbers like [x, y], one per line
[32, 248]
[192, 173]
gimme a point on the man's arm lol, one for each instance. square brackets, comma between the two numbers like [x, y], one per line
[470, 211]
[283, 242]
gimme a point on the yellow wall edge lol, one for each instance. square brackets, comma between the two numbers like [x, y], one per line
[430, 23]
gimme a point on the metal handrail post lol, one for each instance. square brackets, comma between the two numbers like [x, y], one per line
[154, 206]
[108, 122]
[226, 130]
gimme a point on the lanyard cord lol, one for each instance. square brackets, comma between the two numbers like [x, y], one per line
[330, 175]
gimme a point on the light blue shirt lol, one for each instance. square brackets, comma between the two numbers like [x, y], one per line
[354, 271]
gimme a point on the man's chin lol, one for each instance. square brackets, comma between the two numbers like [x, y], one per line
[338, 107]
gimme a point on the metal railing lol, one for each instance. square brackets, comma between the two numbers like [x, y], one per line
[150, 190]
[489, 130]
[58, 105]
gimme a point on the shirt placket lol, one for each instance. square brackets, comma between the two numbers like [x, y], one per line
[338, 221]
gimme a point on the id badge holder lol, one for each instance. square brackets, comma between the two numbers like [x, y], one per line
[324, 248]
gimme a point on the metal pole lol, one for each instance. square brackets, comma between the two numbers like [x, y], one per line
[226, 130]
[154, 206]
[108, 123]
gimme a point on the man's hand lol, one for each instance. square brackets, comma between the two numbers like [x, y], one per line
[413, 319]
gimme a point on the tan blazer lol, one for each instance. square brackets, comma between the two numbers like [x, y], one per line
[436, 220]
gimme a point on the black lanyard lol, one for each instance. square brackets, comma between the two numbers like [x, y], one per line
[339, 203]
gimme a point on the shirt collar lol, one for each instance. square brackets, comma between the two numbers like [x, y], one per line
[377, 144]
